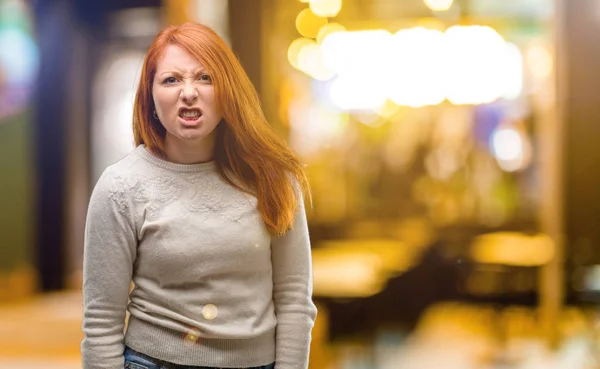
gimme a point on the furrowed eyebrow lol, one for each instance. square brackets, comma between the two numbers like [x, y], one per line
[179, 72]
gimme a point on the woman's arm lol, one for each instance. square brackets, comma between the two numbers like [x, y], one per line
[292, 293]
[109, 254]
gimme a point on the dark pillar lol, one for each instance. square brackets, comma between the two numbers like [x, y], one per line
[579, 52]
[246, 37]
[53, 23]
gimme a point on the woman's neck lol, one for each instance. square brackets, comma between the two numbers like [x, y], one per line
[183, 152]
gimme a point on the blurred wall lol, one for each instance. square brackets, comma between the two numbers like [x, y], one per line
[581, 77]
[18, 69]
[16, 200]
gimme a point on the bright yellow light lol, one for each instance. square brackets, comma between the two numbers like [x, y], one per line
[369, 118]
[310, 61]
[210, 312]
[539, 61]
[415, 73]
[474, 60]
[309, 24]
[328, 29]
[513, 72]
[438, 5]
[309, 57]
[295, 48]
[354, 52]
[304, 1]
[348, 94]
[387, 110]
[326, 8]
[418, 66]
[361, 82]
[511, 248]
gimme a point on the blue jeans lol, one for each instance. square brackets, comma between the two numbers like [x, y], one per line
[137, 360]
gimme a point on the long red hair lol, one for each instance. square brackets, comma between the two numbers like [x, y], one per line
[248, 153]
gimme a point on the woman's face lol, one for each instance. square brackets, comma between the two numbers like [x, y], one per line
[184, 99]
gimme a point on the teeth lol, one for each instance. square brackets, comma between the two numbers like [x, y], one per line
[190, 114]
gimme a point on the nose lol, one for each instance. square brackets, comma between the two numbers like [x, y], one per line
[189, 94]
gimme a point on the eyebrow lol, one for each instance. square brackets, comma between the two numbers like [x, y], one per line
[199, 70]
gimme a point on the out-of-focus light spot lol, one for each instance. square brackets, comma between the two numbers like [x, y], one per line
[210, 312]
[304, 1]
[507, 145]
[474, 55]
[539, 60]
[326, 8]
[314, 127]
[348, 52]
[347, 275]
[350, 90]
[354, 268]
[295, 48]
[511, 248]
[350, 95]
[369, 118]
[438, 5]
[309, 57]
[19, 58]
[510, 147]
[416, 67]
[415, 71]
[192, 337]
[329, 29]
[513, 71]
[310, 60]
[388, 109]
[309, 24]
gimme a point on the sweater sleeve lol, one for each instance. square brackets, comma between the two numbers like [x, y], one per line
[292, 293]
[109, 253]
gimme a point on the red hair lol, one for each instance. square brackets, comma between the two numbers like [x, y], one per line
[248, 153]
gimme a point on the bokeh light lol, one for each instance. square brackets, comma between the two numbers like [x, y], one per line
[511, 148]
[326, 8]
[467, 65]
[474, 56]
[328, 29]
[295, 49]
[210, 312]
[308, 23]
[416, 73]
[19, 57]
[310, 60]
[439, 5]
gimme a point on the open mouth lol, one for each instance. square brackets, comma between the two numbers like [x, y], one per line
[190, 114]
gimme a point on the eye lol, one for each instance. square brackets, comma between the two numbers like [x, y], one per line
[205, 78]
[169, 80]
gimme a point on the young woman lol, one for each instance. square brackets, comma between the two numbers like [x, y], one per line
[206, 218]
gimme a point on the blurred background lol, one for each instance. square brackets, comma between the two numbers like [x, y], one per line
[452, 148]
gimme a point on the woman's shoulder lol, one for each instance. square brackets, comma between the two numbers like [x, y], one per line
[127, 167]
[119, 176]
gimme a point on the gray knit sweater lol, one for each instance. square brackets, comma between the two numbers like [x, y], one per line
[211, 287]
